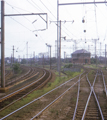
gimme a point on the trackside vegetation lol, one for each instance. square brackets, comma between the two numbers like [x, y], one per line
[38, 93]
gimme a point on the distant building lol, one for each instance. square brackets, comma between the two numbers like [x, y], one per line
[81, 57]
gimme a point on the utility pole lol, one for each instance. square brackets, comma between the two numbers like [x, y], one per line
[11, 60]
[43, 60]
[100, 52]
[59, 50]
[2, 48]
[57, 34]
[64, 56]
[55, 48]
[13, 54]
[34, 57]
[105, 55]
[27, 53]
[95, 40]
[89, 48]
[50, 53]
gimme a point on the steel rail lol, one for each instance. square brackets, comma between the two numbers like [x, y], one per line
[98, 105]
[77, 99]
[37, 98]
[11, 94]
[54, 100]
[92, 90]
[84, 113]
[27, 93]
[104, 84]
[15, 79]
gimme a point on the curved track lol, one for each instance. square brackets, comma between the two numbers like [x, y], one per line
[14, 96]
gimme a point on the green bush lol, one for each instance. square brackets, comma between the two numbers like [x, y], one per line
[68, 66]
[16, 67]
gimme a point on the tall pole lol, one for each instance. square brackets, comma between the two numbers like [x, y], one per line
[60, 50]
[34, 57]
[100, 52]
[55, 48]
[43, 61]
[64, 56]
[11, 60]
[95, 53]
[2, 47]
[13, 53]
[27, 52]
[105, 55]
[89, 48]
[50, 57]
[57, 34]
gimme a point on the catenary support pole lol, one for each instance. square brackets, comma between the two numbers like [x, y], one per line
[13, 54]
[105, 55]
[57, 35]
[50, 57]
[2, 47]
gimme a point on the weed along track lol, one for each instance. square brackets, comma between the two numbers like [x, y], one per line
[19, 94]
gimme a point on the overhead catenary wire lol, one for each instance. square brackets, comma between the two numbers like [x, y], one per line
[13, 7]
[37, 7]
[16, 7]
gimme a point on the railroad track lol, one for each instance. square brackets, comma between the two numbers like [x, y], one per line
[48, 94]
[95, 106]
[13, 79]
[17, 95]
[90, 105]
[10, 78]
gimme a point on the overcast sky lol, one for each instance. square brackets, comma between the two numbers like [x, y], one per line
[20, 30]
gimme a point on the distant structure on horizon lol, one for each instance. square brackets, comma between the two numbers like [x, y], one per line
[0, 37]
[81, 57]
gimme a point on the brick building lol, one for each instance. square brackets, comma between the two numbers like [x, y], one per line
[81, 57]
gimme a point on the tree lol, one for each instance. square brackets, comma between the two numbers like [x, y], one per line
[23, 61]
[16, 67]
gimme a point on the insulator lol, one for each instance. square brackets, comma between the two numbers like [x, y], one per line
[84, 30]
[83, 21]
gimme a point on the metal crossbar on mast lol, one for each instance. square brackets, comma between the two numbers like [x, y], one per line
[77, 3]
[3, 15]
[83, 3]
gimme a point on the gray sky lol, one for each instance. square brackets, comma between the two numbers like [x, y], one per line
[19, 30]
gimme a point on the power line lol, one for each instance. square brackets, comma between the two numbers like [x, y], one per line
[48, 9]
[16, 7]
[34, 6]
[20, 24]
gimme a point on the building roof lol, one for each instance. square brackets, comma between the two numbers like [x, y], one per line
[80, 51]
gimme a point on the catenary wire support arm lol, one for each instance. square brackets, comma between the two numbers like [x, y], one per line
[27, 14]
[3, 15]
[83, 3]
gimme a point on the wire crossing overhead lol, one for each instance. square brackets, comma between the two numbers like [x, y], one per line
[3, 15]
